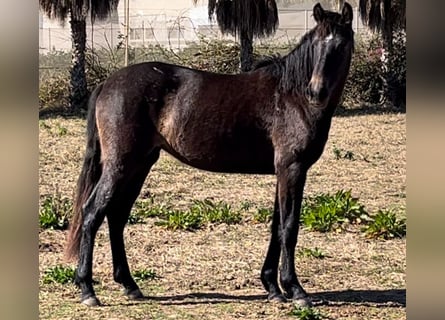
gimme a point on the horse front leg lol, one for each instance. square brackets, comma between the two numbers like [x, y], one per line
[291, 181]
[269, 272]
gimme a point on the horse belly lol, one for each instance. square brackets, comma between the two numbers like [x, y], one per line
[226, 155]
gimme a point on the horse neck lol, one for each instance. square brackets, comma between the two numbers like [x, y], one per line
[297, 68]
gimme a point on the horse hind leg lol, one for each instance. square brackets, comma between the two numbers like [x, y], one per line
[117, 219]
[94, 212]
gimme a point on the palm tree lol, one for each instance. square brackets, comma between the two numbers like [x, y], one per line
[247, 19]
[386, 17]
[77, 12]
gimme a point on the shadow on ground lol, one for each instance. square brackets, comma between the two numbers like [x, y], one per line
[366, 110]
[386, 298]
[395, 297]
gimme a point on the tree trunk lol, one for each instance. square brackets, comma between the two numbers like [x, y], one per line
[78, 83]
[393, 92]
[391, 87]
[246, 56]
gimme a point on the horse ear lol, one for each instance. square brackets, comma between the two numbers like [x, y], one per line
[346, 13]
[318, 13]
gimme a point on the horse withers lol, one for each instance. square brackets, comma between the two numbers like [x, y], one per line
[274, 119]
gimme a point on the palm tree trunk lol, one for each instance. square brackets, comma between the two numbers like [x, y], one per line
[78, 84]
[246, 56]
[393, 95]
[387, 47]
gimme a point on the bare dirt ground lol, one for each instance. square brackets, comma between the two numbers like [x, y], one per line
[213, 273]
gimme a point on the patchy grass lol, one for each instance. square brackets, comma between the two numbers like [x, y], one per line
[213, 272]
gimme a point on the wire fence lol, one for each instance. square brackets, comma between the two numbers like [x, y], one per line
[171, 32]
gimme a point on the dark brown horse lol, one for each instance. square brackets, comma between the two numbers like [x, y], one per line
[272, 120]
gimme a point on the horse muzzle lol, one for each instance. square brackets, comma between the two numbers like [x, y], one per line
[316, 92]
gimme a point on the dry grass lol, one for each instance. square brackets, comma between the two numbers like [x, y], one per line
[214, 273]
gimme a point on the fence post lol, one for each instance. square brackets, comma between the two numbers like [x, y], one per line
[49, 39]
[111, 34]
[143, 33]
[305, 21]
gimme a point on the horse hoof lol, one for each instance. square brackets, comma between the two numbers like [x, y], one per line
[303, 302]
[276, 298]
[91, 302]
[135, 294]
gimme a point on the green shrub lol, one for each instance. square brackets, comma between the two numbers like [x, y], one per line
[54, 91]
[59, 274]
[385, 225]
[364, 83]
[325, 212]
[211, 55]
[200, 213]
[54, 212]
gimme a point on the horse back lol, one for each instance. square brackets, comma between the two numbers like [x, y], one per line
[215, 122]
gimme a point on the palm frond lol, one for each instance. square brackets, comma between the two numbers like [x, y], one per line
[383, 15]
[256, 17]
[79, 9]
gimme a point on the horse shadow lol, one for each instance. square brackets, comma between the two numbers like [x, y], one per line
[377, 298]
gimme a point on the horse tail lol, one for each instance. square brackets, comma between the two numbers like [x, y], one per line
[88, 178]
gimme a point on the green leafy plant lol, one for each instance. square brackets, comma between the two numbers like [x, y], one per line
[246, 205]
[59, 274]
[182, 220]
[201, 212]
[54, 212]
[324, 212]
[263, 215]
[312, 253]
[147, 208]
[385, 225]
[135, 218]
[143, 275]
[212, 212]
[306, 313]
